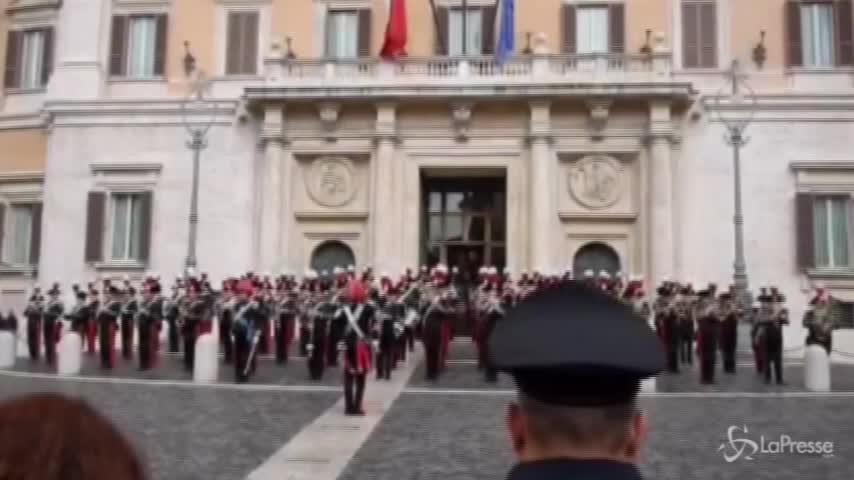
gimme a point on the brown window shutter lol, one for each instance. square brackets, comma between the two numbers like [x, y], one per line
[442, 33]
[569, 28]
[96, 208]
[160, 44]
[13, 59]
[36, 234]
[794, 52]
[47, 55]
[690, 35]
[233, 38]
[708, 35]
[487, 30]
[617, 28]
[365, 32]
[844, 34]
[118, 46]
[2, 228]
[145, 207]
[804, 204]
[250, 43]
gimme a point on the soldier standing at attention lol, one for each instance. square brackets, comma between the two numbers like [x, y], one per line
[193, 316]
[33, 313]
[129, 309]
[729, 331]
[578, 357]
[774, 336]
[707, 344]
[108, 319]
[50, 332]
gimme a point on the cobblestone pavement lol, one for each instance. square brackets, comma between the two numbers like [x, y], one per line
[462, 373]
[191, 433]
[171, 367]
[432, 436]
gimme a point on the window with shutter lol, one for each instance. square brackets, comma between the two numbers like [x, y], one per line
[29, 58]
[138, 46]
[95, 217]
[699, 34]
[19, 232]
[242, 43]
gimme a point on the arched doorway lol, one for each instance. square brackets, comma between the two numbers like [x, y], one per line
[596, 256]
[331, 254]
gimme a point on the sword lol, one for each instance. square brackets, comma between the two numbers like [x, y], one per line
[251, 356]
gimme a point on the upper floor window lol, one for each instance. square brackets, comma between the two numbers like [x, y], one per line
[819, 34]
[118, 226]
[596, 28]
[29, 58]
[466, 32]
[699, 34]
[472, 44]
[20, 233]
[348, 33]
[242, 46]
[138, 48]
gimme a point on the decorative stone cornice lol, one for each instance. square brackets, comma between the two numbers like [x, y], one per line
[331, 215]
[829, 165]
[20, 6]
[471, 92]
[117, 168]
[22, 177]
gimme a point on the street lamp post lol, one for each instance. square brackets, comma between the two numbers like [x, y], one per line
[736, 115]
[198, 115]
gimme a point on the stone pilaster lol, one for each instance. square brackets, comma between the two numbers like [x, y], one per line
[661, 193]
[81, 67]
[274, 219]
[386, 232]
[543, 213]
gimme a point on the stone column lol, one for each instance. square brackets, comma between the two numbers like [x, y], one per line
[272, 135]
[386, 234]
[81, 66]
[660, 171]
[542, 211]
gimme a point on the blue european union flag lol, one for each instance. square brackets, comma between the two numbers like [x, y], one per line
[507, 38]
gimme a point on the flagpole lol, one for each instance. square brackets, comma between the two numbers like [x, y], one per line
[465, 27]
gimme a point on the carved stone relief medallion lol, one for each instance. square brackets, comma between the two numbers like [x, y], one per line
[331, 181]
[596, 181]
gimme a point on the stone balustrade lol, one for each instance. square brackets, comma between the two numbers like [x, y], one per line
[589, 68]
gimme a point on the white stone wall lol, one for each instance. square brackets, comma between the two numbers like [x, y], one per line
[705, 206]
[227, 200]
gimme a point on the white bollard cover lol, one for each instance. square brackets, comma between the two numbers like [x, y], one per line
[206, 368]
[816, 369]
[7, 349]
[69, 354]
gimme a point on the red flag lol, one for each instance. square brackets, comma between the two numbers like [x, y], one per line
[394, 45]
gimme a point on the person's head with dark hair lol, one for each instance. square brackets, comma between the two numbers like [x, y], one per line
[578, 356]
[51, 437]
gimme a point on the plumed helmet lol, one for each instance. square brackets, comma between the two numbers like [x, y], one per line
[357, 292]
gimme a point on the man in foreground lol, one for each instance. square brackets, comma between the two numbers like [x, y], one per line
[578, 357]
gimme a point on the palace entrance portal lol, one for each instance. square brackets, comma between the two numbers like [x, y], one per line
[464, 225]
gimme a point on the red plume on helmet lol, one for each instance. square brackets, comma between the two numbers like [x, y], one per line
[356, 291]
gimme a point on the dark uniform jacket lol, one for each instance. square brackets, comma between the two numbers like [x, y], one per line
[575, 470]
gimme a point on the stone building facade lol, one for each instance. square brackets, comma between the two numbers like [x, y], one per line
[597, 145]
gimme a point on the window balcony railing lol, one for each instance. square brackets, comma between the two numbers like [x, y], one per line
[604, 68]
